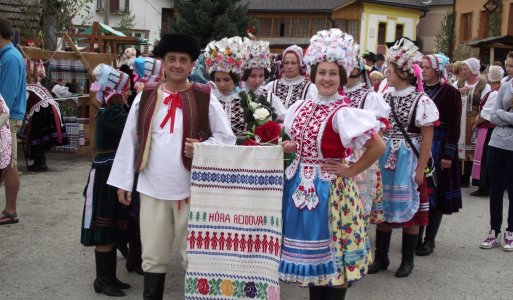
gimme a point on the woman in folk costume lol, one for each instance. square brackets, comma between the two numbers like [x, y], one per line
[44, 126]
[104, 220]
[256, 61]
[148, 71]
[402, 172]
[5, 148]
[292, 86]
[324, 237]
[360, 94]
[484, 132]
[473, 89]
[446, 197]
[223, 60]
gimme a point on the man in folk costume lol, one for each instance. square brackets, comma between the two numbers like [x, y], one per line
[158, 142]
[446, 198]
[473, 89]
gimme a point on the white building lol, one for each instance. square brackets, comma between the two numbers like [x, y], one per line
[148, 15]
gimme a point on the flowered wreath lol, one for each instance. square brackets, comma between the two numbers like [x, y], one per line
[224, 56]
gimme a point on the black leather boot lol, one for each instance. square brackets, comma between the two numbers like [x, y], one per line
[105, 274]
[409, 245]
[154, 286]
[421, 235]
[318, 292]
[435, 218]
[39, 164]
[336, 294]
[134, 259]
[381, 260]
[114, 263]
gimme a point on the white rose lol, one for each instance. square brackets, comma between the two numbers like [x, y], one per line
[261, 114]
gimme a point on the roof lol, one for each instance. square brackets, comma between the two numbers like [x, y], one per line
[323, 6]
[439, 2]
[294, 5]
[503, 41]
[14, 12]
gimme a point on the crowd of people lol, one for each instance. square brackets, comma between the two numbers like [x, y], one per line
[387, 139]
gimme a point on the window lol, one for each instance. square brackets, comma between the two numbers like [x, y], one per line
[300, 27]
[483, 24]
[350, 26]
[382, 33]
[281, 27]
[510, 20]
[399, 30]
[319, 24]
[264, 27]
[465, 27]
[114, 5]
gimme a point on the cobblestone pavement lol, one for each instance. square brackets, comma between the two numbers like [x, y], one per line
[42, 258]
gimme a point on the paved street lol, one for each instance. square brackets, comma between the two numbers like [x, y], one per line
[42, 258]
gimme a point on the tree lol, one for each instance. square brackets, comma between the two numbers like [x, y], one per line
[126, 23]
[211, 19]
[444, 40]
[53, 15]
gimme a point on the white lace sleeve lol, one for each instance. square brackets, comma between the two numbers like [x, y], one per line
[355, 126]
[427, 113]
[377, 105]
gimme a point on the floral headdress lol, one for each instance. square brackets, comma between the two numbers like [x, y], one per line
[332, 45]
[255, 55]
[224, 56]
[438, 62]
[405, 55]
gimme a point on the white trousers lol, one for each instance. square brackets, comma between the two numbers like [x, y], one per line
[162, 221]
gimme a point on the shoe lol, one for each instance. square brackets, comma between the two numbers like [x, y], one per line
[408, 250]
[6, 218]
[37, 168]
[490, 241]
[480, 193]
[426, 249]
[154, 286]
[508, 241]
[105, 275]
[381, 260]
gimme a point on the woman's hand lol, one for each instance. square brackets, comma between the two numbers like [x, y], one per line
[446, 164]
[419, 176]
[289, 146]
[340, 168]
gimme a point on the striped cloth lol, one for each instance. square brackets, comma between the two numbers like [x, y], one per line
[234, 237]
[76, 136]
[68, 70]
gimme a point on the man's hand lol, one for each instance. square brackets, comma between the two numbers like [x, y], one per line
[289, 146]
[189, 147]
[124, 197]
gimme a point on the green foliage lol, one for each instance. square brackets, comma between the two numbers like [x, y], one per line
[50, 13]
[126, 24]
[444, 40]
[211, 19]
[495, 20]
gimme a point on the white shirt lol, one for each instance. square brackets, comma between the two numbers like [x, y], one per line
[488, 107]
[164, 176]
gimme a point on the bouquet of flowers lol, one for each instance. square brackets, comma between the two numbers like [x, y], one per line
[259, 115]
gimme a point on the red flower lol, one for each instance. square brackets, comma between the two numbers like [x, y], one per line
[349, 229]
[268, 132]
[350, 268]
[249, 142]
[203, 286]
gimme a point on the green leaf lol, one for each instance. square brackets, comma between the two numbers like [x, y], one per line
[261, 290]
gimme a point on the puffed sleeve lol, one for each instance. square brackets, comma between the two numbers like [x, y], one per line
[355, 126]
[377, 105]
[488, 107]
[290, 115]
[427, 113]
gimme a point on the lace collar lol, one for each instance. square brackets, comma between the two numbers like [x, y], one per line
[226, 98]
[354, 88]
[404, 92]
[328, 99]
[292, 81]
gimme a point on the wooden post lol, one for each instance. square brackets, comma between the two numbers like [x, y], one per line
[80, 56]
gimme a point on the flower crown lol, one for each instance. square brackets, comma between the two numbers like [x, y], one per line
[224, 56]
[404, 54]
[334, 46]
[255, 55]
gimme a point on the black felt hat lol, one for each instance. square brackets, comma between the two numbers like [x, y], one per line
[178, 43]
